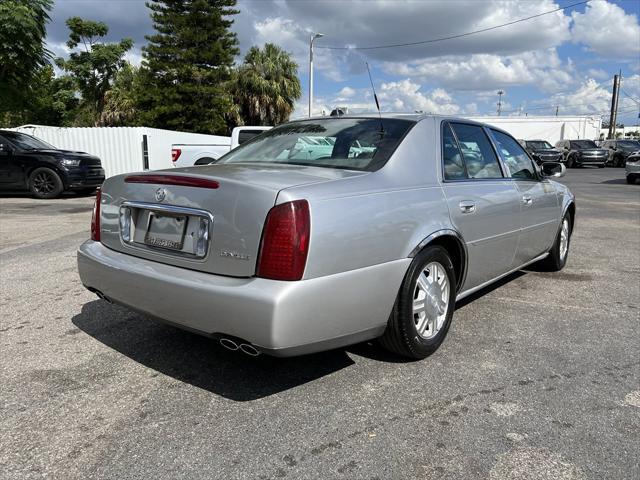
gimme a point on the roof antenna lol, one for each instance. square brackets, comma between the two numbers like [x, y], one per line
[375, 97]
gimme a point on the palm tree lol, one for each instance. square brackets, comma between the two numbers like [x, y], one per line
[265, 87]
[120, 101]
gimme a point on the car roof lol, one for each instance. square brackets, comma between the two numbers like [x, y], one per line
[414, 117]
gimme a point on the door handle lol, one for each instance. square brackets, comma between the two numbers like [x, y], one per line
[527, 200]
[467, 206]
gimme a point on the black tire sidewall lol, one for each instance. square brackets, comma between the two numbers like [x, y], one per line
[59, 186]
[555, 251]
[418, 346]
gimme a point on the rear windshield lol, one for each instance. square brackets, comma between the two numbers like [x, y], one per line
[583, 144]
[349, 143]
[538, 144]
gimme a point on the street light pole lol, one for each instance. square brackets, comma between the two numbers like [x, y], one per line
[313, 37]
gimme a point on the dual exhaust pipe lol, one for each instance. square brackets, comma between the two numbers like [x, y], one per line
[232, 345]
[226, 342]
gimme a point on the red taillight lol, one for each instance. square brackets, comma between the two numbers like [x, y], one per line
[175, 154]
[180, 180]
[285, 242]
[95, 217]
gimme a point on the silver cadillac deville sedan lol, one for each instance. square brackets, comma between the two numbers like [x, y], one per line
[284, 248]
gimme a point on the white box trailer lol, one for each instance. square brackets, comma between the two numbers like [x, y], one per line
[547, 128]
[122, 149]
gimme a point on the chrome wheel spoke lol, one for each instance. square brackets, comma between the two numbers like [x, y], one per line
[430, 300]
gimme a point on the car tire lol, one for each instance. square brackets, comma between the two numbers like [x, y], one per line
[45, 183]
[631, 179]
[416, 329]
[600, 166]
[570, 162]
[557, 258]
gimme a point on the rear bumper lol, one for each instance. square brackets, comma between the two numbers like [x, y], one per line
[279, 318]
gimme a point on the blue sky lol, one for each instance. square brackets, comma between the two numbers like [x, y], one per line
[565, 59]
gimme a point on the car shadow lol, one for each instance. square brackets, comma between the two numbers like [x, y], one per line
[616, 181]
[201, 361]
[494, 286]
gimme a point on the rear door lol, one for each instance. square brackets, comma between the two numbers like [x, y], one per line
[540, 208]
[483, 203]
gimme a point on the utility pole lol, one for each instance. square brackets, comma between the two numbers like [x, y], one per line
[614, 107]
[313, 37]
[500, 93]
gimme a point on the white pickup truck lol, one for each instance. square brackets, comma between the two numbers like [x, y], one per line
[187, 155]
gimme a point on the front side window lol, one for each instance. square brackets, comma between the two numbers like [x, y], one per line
[515, 158]
[477, 152]
[348, 143]
[27, 142]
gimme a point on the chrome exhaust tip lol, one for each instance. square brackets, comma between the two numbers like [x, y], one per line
[229, 344]
[249, 349]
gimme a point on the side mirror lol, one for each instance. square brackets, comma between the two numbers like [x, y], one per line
[553, 169]
[5, 149]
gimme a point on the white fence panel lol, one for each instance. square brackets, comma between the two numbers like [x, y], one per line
[121, 149]
[550, 129]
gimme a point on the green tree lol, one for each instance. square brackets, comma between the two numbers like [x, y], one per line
[265, 87]
[51, 101]
[22, 51]
[120, 108]
[93, 65]
[187, 65]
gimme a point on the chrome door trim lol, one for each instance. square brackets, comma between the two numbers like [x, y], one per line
[466, 293]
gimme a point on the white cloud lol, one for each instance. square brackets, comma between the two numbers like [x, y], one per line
[607, 30]
[542, 68]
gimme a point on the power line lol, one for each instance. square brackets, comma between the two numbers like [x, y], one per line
[632, 98]
[452, 37]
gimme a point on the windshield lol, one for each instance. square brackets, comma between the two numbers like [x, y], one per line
[538, 144]
[583, 144]
[350, 143]
[26, 142]
[629, 145]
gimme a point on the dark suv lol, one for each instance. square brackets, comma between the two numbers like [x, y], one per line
[577, 153]
[28, 163]
[541, 151]
[620, 150]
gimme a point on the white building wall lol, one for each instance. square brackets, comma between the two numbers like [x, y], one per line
[121, 148]
[546, 128]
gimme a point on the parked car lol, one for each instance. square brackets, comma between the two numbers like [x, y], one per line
[294, 255]
[577, 153]
[188, 154]
[28, 163]
[632, 168]
[541, 151]
[620, 150]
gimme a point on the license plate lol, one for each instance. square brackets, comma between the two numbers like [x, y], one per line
[166, 231]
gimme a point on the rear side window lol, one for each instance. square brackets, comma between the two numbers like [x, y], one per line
[515, 158]
[454, 168]
[246, 135]
[478, 155]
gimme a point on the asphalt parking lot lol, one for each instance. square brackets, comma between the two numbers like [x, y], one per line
[538, 378]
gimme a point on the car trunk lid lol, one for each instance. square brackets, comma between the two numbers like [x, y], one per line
[164, 212]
